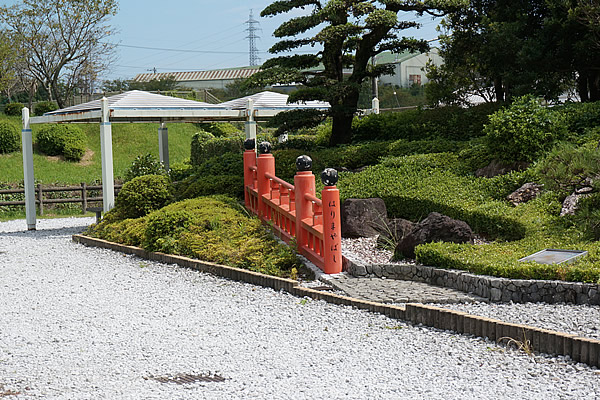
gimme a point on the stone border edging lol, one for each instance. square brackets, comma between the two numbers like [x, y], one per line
[488, 287]
[542, 340]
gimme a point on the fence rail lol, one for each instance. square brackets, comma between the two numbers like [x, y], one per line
[293, 211]
[40, 190]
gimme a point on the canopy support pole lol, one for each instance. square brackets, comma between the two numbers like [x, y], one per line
[108, 180]
[250, 122]
[163, 145]
[28, 178]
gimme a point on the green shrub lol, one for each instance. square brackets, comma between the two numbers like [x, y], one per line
[299, 142]
[451, 123]
[414, 186]
[221, 129]
[143, 195]
[524, 131]
[567, 168]
[214, 229]
[14, 109]
[10, 139]
[180, 171]
[581, 117]
[67, 140]
[205, 146]
[43, 107]
[196, 186]
[144, 165]
[225, 164]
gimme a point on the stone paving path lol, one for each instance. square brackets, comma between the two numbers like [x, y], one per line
[397, 291]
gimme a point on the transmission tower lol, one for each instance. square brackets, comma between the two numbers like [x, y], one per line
[253, 27]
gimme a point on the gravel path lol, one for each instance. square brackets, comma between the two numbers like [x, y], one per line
[84, 323]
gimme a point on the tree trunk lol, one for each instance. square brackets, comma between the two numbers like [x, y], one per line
[342, 115]
[582, 87]
[594, 85]
[341, 129]
[499, 90]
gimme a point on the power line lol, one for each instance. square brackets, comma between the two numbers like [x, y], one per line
[180, 50]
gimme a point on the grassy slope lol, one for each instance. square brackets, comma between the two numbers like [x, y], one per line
[129, 141]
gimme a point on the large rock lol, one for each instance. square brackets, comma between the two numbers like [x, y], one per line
[571, 203]
[362, 217]
[528, 191]
[435, 228]
[500, 168]
[393, 232]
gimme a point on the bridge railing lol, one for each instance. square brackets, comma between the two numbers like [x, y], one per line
[294, 211]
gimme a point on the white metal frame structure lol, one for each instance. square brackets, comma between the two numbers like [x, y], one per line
[137, 106]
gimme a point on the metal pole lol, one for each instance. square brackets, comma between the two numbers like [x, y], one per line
[27, 143]
[163, 145]
[108, 180]
[250, 122]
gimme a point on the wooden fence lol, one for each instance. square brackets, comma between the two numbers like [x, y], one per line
[40, 200]
[293, 211]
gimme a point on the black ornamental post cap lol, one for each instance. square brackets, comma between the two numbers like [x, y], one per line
[329, 177]
[303, 163]
[249, 144]
[264, 148]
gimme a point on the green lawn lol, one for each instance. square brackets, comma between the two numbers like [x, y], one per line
[129, 141]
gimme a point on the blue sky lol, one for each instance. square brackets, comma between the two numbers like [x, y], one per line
[208, 34]
[215, 26]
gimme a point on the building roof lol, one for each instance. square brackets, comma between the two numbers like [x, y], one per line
[219, 74]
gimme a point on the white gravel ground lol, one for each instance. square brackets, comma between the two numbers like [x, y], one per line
[84, 323]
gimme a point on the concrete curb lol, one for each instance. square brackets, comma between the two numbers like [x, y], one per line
[580, 349]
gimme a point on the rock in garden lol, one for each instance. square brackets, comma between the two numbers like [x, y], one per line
[500, 168]
[569, 205]
[528, 191]
[361, 217]
[435, 228]
[393, 232]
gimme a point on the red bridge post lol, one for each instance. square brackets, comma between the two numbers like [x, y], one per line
[304, 183]
[249, 163]
[264, 164]
[332, 229]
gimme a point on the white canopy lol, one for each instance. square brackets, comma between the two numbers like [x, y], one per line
[140, 106]
[272, 100]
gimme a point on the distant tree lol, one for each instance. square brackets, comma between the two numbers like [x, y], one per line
[162, 84]
[501, 49]
[61, 40]
[116, 85]
[8, 61]
[350, 33]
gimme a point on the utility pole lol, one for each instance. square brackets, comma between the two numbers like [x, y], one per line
[253, 27]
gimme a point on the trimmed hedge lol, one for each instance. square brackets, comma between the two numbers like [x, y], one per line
[10, 138]
[59, 139]
[142, 195]
[43, 107]
[453, 123]
[414, 186]
[545, 230]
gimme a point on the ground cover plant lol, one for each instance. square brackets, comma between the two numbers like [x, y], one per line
[215, 229]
